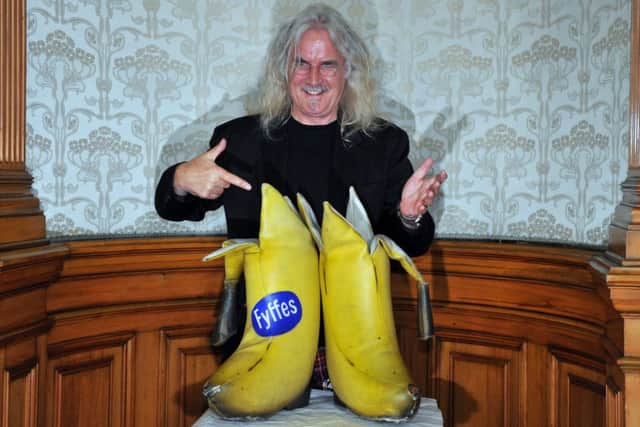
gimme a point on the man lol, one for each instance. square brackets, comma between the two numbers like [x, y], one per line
[316, 133]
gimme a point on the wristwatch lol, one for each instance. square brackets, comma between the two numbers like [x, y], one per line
[410, 222]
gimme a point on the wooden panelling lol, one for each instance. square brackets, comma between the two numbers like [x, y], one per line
[143, 287]
[479, 384]
[543, 329]
[187, 358]
[578, 391]
[514, 345]
[631, 368]
[527, 278]
[515, 261]
[417, 356]
[19, 379]
[89, 382]
[32, 309]
[24, 274]
[138, 318]
[135, 271]
[21, 227]
[22, 269]
[497, 321]
[19, 395]
[161, 292]
[614, 412]
[110, 257]
[536, 405]
[172, 353]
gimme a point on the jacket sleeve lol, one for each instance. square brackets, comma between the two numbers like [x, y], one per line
[179, 208]
[414, 241]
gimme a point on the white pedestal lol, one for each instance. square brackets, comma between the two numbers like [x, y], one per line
[322, 411]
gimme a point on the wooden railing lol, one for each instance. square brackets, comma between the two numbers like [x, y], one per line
[524, 336]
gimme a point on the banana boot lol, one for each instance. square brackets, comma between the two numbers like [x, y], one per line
[227, 323]
[273, 363]
[365, 366]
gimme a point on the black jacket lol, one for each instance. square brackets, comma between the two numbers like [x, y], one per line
[377, 166]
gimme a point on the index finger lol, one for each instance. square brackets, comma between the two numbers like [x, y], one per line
[234, 180]
[424, 168]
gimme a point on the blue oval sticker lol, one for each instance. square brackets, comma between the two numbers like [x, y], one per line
[276, 314]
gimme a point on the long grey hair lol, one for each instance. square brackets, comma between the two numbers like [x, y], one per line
[357, 106]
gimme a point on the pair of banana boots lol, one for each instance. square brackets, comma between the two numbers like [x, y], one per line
[288, 270]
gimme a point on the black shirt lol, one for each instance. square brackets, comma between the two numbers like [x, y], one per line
[309, 152]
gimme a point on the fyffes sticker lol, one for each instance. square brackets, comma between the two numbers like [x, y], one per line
[276, 314]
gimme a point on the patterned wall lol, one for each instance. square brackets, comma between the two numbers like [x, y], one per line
[523, 102]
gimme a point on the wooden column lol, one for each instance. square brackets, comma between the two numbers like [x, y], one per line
[619, 266]
[28, 263]
[21, 220]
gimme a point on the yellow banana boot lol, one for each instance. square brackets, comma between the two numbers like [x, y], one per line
[273, 363]
[365, 366]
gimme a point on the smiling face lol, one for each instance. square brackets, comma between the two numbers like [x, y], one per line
[316, 79]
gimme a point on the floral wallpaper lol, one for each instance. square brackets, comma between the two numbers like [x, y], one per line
[523, 102]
